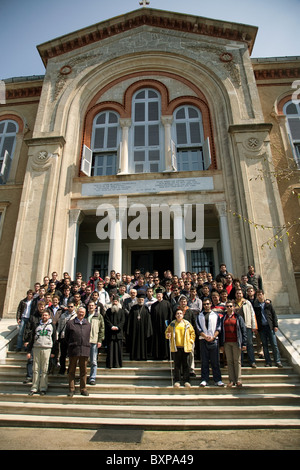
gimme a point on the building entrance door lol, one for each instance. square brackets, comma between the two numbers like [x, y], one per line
[148, 260]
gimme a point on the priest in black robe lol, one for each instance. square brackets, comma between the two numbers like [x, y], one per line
[139, 330]
[114, 325]
[161, 316]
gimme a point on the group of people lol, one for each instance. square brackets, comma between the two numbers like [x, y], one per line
[194, 316]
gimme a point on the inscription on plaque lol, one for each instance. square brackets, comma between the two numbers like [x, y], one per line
[147, 186]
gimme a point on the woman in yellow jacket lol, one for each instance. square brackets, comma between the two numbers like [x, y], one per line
[182, 337]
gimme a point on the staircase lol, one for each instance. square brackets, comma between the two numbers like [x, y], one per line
[140, 395]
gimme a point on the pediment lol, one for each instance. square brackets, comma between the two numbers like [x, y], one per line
[198, 26]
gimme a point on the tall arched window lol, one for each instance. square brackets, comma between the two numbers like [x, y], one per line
[105, 143]
[8, 132]
[191, 148]
[146, 132]
[292, 112]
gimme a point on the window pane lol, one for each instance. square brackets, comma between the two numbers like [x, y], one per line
[8, 144]
[140, 95]
[203, 260]
[154, 135]
[294, 124]
[181, 134]
[195, 161]
[193, 113]
[139, 136]
[139, 112]
[180, 114]
[152, 94]
[190, 160]
[113, 118]
[195, 133]
[153, 111]
[112, 137]
[154, 167]
[139, 168]
[291, 109]
[2, 124]
[11, 127]
[99, 138]
[104, 165]
[139, 156]
[154, 155]
[109, 160]
[101, 119]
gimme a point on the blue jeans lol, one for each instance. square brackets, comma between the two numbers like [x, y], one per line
[93, 360]
[29, 367]
[22, 325]
[210, 355]
[266, 334]
[250, 348]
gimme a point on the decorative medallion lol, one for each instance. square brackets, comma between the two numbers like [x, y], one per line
[65, 70]
[226, 57]
[253, 143]
[42, 155]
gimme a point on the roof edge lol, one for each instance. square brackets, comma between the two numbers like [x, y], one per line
[152, 17]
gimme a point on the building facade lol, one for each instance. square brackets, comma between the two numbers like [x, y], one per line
[152, 127]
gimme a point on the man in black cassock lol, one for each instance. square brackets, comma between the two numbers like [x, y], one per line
[114, 323]
[139, 330]
[161, 316]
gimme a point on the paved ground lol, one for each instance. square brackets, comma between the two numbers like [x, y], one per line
[114, 440]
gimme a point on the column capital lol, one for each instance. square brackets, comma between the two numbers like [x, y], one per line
[221, 208]
[76, 216]
[166, 120]
[125, 122]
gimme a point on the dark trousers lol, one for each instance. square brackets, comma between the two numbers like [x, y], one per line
[210, 355]
[63, 348]
[82, 369]
[181, 364]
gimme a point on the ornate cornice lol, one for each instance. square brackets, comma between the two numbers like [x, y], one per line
[24, 92]
[277, 73]
[150, 17]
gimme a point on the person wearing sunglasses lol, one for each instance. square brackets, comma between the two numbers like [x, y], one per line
[208, 326]
[233, 339]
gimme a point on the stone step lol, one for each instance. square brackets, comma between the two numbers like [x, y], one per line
[159, 380]
[176, 423]
[141, 394]
[194, 398]
[189, 412]
[154, 389]
[150, 369]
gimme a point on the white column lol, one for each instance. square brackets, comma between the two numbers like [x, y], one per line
[167, 123]
[75, 219]
[115, 242]
[123, 164]
[179, 242]
[224, 233]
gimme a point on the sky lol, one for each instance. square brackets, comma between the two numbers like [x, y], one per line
[24, 24]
